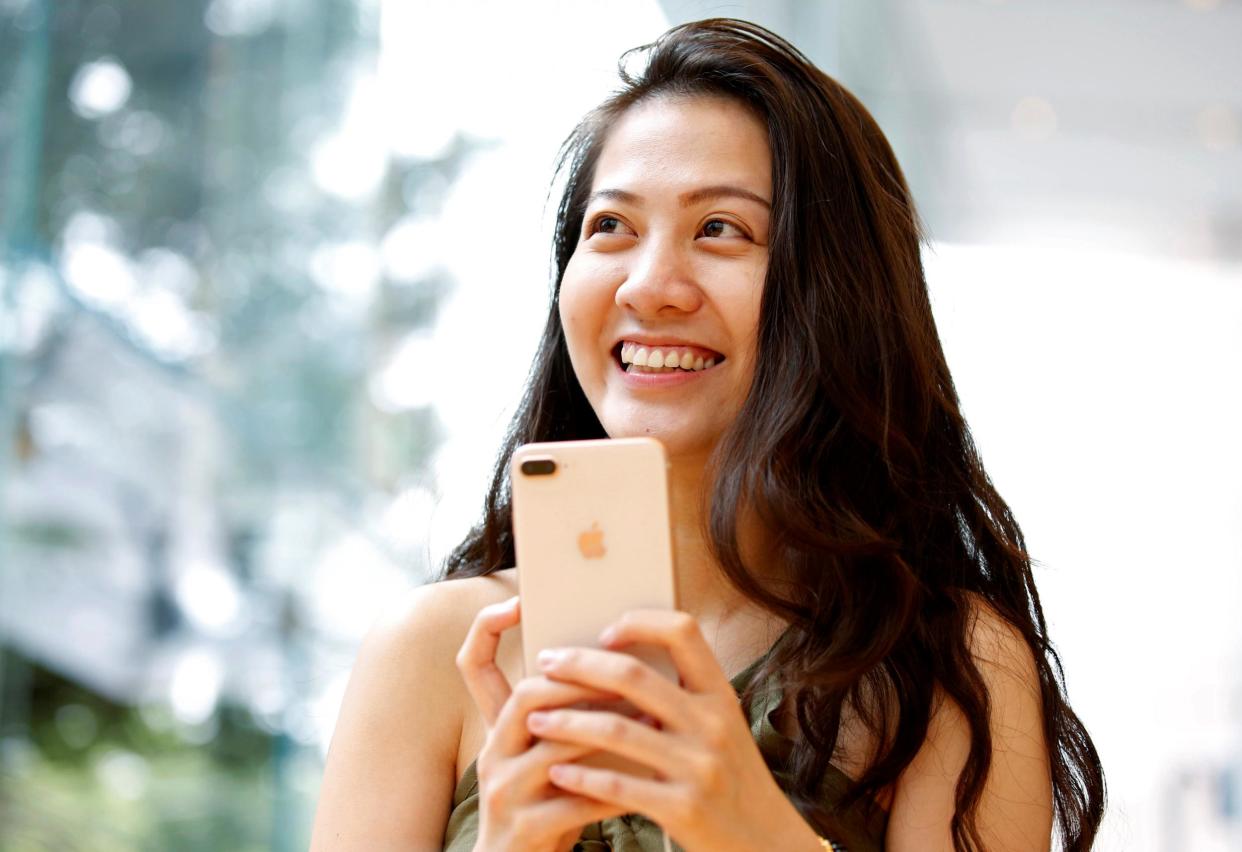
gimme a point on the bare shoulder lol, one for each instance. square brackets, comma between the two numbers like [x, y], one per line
[441, 613]
[1015, 810]
[1000, 649]
[391, 767]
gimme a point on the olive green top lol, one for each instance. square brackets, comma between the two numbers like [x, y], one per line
[863, 824]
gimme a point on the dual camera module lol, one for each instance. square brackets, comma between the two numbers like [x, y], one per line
[538, 467]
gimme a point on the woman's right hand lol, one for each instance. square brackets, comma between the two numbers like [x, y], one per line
[519, 809]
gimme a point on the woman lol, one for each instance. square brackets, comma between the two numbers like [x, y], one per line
[845, 567]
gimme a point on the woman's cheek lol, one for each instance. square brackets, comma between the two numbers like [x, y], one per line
[578, 320]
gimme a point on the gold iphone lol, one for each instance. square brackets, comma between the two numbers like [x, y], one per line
[591, 530]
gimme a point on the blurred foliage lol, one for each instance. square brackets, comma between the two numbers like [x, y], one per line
[96, 775]
[50, 535]
[207, 161]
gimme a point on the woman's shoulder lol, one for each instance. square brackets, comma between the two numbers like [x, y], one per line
[455, 603]
[457, 593]
[410, 653]
[416, 640]
[1000, 649]
[390, 769]
[1016, 797]
[433, 619]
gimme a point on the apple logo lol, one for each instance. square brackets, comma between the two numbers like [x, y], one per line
[591, 542]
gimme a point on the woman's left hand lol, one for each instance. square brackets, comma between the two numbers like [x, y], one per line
[714, 791]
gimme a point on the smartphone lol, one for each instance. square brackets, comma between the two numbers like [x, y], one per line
[592, 535]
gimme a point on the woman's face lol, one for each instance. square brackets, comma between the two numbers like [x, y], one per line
[671, 260]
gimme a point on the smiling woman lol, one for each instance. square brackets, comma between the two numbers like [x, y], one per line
[863, 658]
[669, 268]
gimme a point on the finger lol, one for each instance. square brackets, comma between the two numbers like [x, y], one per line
[527, 776]
[517, 785]
[524, 782]
[655, 800]
[680, 634]
[511, 736]
[611, 732]
[477, 658]
[568, 812]
[623, 674]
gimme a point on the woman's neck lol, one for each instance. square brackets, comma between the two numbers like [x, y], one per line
[702, 588]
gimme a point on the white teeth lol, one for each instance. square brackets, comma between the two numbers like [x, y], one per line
[655, 360]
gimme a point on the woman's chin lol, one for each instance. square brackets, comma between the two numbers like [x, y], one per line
[678, 443]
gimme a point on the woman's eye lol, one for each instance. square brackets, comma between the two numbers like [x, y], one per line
[721, 228]
[608, 225]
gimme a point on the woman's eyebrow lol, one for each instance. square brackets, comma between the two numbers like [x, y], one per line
[711, 193]
[706, 193]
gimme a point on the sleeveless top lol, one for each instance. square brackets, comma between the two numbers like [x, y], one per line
[862, 825]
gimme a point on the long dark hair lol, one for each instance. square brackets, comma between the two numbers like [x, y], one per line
[851, 447]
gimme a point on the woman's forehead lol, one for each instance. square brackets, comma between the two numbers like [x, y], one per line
[682, 144]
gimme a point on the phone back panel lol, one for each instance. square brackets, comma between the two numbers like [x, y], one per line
[592, 541]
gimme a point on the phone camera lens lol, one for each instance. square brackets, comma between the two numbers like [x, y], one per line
[539, 467]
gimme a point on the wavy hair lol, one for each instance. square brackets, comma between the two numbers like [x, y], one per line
[851, 447]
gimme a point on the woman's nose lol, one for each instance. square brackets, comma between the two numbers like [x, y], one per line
[660, 280]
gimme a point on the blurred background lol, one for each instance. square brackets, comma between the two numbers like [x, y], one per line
[272, 271]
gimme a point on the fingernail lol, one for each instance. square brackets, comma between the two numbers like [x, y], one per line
[608, 634]
[549, 657]
[537, 720]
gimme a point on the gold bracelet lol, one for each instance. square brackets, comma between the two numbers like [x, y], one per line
[829, 846]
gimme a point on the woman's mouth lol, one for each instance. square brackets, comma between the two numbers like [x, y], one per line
[647, 358]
